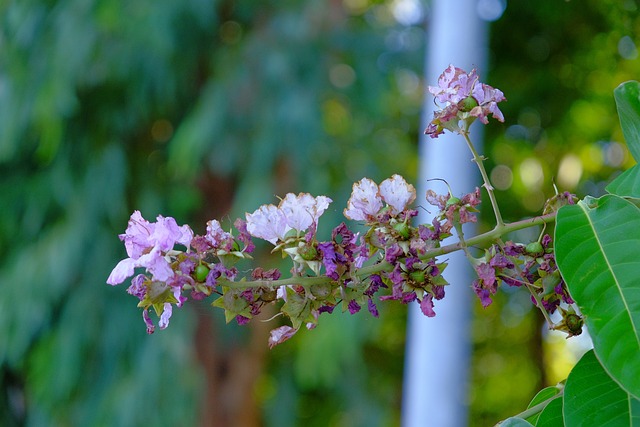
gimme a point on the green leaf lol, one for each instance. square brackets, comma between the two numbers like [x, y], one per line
[626, 184]
[598, 254]
[551, 415]
[627, 97]
[543, 395]
[515, 422]
[592, 397]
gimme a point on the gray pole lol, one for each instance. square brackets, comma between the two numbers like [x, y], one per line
[438, 349]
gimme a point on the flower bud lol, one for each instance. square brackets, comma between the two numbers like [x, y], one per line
[403, 230]
[534, 249]
[268, 295]
[468, 104]
[417, 276]
[574, 323]
[201, 273]
[308, 252]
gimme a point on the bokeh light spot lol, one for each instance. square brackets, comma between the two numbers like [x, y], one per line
[490, 10]
[591, 157]
[569, 171]
[342, 75]
[230, 32]
[407, 12]
[501, 177]
[627, 48]
[531, 173]
[615, 154]
[533, 201]
[161, 130]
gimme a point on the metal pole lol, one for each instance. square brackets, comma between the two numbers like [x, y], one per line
[438, 349]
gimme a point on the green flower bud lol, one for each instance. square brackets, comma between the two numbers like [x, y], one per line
[534, 249]
[201, 273]
[574, 323]
[468, 104]
[268, 295]
[417, 276]
[308, 252]
[403, 230]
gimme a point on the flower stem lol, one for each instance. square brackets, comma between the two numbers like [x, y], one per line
[479, 160]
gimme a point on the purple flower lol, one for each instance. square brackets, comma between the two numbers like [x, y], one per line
[426, 305]
[217, 237]
[392, 253]
[371, 306]
[329, 259]
[244, 235]
[487, 275]
[482, 293]
[353, 307]
[463, 98]
[137, 288]
[146, 244]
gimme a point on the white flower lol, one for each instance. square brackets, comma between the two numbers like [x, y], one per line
[397, 193]
[272, 223]
[268, 223]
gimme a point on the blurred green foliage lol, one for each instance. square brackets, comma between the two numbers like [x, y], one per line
[108, 106]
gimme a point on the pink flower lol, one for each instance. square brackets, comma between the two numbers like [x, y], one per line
[280, 335]
[299, 213]
[464, 99]
[365, 201]
[146, 244]
[216, 236]
[397, 193]
[367, 198]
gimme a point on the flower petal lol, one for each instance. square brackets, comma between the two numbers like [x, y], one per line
[397, 193]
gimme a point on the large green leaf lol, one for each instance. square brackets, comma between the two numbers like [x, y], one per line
[515, 422]
[592, 398]
[551, 415]
[598, 253]
[627, 97]
[626, 184]
[544, 396]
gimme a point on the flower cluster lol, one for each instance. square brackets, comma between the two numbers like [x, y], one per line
[392, 259]
[465, 99]
[324, 273]
[534, 266]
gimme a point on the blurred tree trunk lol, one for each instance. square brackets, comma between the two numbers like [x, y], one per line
[231, 369]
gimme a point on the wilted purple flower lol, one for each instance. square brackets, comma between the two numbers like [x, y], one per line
[353, 307]
[371, 306]
[426, 305]
[482, 293]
